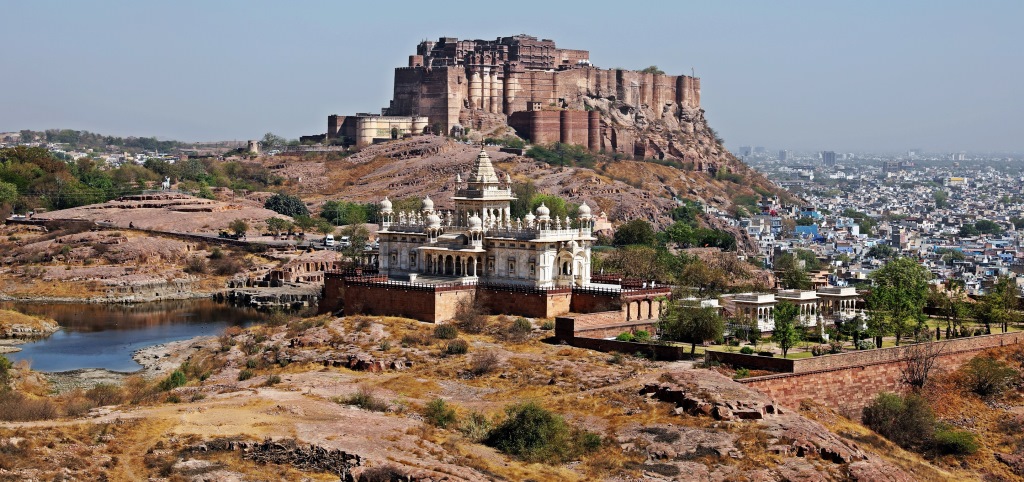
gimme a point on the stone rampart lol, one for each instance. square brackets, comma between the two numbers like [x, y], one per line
[847, 382]
[533, 303]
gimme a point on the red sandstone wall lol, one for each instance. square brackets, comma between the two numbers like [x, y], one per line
[594, 302]
[422, 305]
[332, 296]
[446, 303]
[534, 305]
[655, 352]
[848, 386]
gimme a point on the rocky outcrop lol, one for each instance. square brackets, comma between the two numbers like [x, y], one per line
[19, 325]
[703, 393]
[311, 458]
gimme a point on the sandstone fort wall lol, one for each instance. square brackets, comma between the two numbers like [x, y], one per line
[848, 382]
[534, 304]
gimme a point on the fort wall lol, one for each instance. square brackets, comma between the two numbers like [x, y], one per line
[429, 305]
[532, 303]
[847, 382]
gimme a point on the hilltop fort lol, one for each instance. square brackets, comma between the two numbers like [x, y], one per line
[545, 93]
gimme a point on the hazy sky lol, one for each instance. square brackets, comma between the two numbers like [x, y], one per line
[880, 75]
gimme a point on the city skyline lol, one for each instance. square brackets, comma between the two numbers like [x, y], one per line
[937, 76]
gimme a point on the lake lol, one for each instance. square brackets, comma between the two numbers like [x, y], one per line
[106, 335]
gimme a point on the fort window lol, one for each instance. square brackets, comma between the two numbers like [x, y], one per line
[511, 267]
[533, 269]
[412, 260]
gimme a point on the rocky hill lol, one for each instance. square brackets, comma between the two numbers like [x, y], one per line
[625, 189]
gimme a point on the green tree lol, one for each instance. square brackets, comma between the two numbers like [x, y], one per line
[637, 231]
[653, 70]
[276, 225]
[907, 421]
[357, 237]
[8, 193]
[794, 278]
[286, 204]
[304, 222]
[324, 226]
[239, 227]
[786, 333]
[272, 140]
[707, 280]
[898, 298]
[941, 198]
[341, 212]
[881, 251]
[638, 262]
[999, 305]
[5, 373]
[986, 226]
[534, 434]
[690, 323]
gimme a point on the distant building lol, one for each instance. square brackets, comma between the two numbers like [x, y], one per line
[745, 150]
[783, 155]
[828, 158]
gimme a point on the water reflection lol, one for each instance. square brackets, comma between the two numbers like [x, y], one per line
[104, 336]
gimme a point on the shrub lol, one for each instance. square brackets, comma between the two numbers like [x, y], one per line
[16, 407]
[439, 414]
[747, 350]
[766, 353]
[641, 336]
[414, 339]
[954, 442]
[987, 376]
[272, 380]
[535, 434]
[865, 345]
[475, 427]
[245, 375]
[226, 266]
[835, 347]
[548, 325]
[385, 345]
[616, 359]
[470, 318]
[195, 265]
[446, 332]
[252, 363]
[5, 372]
[624, 336]
[742, 373]
[907, 421]
[366, 399]
[518, 330]
[818, 350]
[457, 347]
[174, 380]
[383, 473]
[105, 394]
[484, 362]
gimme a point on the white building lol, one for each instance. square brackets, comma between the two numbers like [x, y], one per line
[479, 239]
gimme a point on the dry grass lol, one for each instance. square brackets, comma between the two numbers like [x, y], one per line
[872, 443]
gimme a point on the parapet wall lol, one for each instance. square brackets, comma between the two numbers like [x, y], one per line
[847, 382]
[531, 303]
